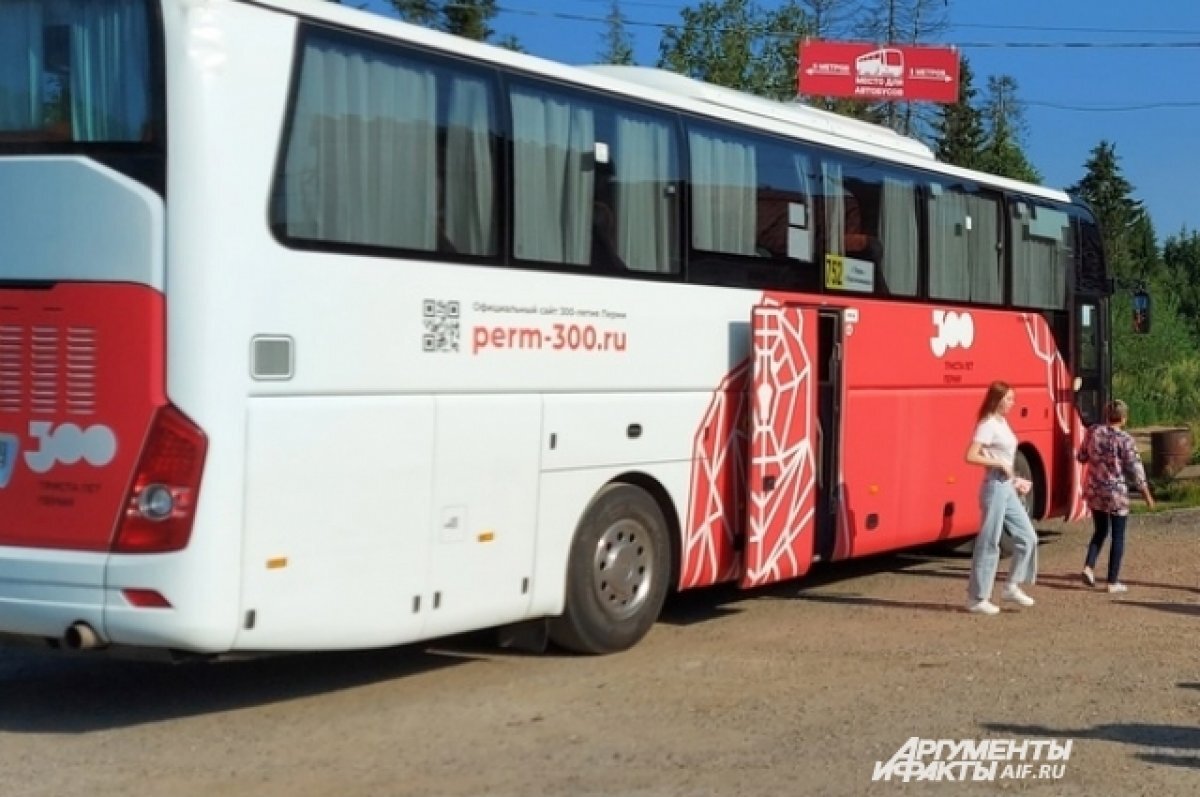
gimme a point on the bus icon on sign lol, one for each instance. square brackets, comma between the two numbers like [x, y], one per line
[885, 62]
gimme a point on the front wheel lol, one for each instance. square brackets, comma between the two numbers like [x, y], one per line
[616, 574]
[1023, 470]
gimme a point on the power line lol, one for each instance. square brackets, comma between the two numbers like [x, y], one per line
[1147, 106]
[573, 17]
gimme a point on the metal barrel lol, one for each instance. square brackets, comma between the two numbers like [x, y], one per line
[1170, 451]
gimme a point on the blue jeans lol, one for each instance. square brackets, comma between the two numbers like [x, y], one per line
[1101, 522]
[1002, 511]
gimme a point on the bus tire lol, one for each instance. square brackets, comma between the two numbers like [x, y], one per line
[617, 572]
[1023, 470]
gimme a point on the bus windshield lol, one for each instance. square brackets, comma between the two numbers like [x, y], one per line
[75, 71]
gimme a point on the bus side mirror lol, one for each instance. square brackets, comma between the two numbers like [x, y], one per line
[1141, 313]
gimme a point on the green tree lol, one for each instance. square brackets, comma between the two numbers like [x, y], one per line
[511, 42]
[1181, 266]
[470, 19]
[736, 43]
[958, 128]
[618, 44]
[1110, 197]
[419, 12]
[1159, 373]
[1004, 122]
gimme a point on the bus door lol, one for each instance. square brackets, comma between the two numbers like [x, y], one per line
[829, 425]
[1091, 366]
[784, 444]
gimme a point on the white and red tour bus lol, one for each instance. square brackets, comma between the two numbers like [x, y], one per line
[319, 331]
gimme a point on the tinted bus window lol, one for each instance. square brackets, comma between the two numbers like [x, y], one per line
[390, 149]
[1042, 252]
[965, 254]
[75, 71]
[872, 226]
[595, 183]
[751, 196]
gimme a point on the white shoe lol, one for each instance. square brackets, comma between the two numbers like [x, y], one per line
[1116, 587]
[1013, 593]
[983, 607]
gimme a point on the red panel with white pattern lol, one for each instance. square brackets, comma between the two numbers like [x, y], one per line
[781, 501]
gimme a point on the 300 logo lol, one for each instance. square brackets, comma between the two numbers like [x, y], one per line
[67, 443]
[954, 330]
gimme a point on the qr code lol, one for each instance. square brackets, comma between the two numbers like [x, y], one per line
[441, 326]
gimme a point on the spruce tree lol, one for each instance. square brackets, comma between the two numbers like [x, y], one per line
[958, 128]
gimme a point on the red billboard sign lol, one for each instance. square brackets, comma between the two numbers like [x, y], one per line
[878, 72]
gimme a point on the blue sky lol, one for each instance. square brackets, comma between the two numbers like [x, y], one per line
[1145, 99]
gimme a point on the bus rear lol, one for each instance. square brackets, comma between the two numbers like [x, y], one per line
[94, 461]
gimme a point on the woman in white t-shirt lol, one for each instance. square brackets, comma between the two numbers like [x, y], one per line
[994, 448]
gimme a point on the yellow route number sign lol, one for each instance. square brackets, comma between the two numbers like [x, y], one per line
[835, 271]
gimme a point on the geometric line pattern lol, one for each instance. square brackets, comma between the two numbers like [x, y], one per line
[717, 498]
[782, 487]
[1059, 383]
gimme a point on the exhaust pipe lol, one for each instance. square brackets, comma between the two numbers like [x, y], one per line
[81, 636]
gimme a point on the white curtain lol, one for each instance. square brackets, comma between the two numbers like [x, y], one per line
[800, 230]
[554, 179]
[470, 196]
[645, 206]
[1041, 255]
[901, 243]
[835, 207]
[724, 194]
[949, 269]
[986, 254]
[21, 65]
[110, 71]
[361, 164]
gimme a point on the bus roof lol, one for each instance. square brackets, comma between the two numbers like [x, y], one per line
[672, 90]
[815, 119]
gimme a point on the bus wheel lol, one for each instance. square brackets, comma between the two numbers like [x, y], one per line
[616, 574]
[1022, 470]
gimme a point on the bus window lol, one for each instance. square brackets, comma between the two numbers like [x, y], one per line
[899, 231]
[74, 70]
[388, 150]
[965, 253]
[594, 183]
[1041, 255]
[752, 198]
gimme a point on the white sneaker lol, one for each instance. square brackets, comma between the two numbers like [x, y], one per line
[1117, 587]
[983, 607]
[1013, 593]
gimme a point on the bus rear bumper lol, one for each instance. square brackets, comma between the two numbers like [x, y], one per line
[46, 594]
[43, 593]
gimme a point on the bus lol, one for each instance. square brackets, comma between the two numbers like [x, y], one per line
[884, 62]
[323, 331]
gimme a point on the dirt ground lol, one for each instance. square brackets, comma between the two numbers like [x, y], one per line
[795, 690]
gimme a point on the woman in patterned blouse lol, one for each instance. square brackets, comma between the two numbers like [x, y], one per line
[1112, 459]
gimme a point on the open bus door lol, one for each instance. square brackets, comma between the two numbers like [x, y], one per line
[785, 445]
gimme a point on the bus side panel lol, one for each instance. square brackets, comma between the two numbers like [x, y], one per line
[337, 518]
[914, 380]
[484, 511]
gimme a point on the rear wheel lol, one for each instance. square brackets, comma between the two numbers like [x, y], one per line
[616, 574]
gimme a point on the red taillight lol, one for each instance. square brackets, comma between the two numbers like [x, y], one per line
[161, 503]
[146, 599]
